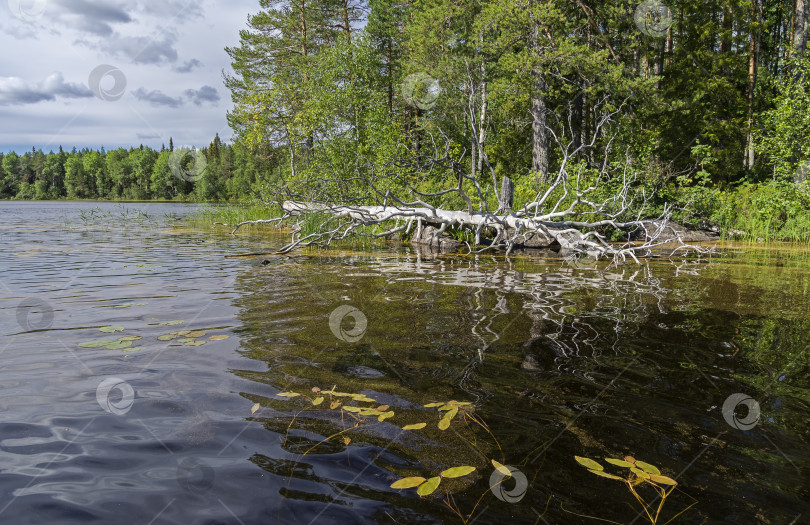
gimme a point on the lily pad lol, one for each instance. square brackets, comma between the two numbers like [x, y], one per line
[456, 472]
[605, 474]
[415, 426]
[407, 483]
[95, 344]
[620, 463]
[317, 401]
[172, 323]
[662, 479]
[119, 345]
[186, 340]
[385, 415]
[193, 342]
[587, 462]
[166, 337]
[429, 486]
[111, 329]
[198, 333]
[130, 338]
[288, 394]
[646, 467]
[501, 468]
[218, 337]
[134, 349]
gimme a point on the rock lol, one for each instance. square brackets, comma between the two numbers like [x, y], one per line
[533, 240]
[430, 237]
[671, 233]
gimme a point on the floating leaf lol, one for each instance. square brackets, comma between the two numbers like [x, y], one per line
[429, 486]
[182, 332]
[646, 467]
[255, 407]
[172, 323]
[317, 401]
[220, 337]
[95, 344]
[347, 440]
[166, 337]
[186, 340]
[352, 409]
[630, 459]
[385, 415]
[456, 472]
[640, 473]
[407, 483]
[130, 338]
[192, 342]
[334, 404]
[381, 408]
[444, 424]
[139, 304]
[662, 479]
[501, 468]
[619, 462]
[415, 426]
[605, 474]
[197, 333]
[134, 349]
[288, 394]
[125, 305]
[431, 405]
[111, 329]
[591, 464]
[118, 345]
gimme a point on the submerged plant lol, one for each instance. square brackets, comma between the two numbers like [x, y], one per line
[638, 473]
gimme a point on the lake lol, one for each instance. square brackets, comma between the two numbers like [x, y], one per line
[697, 369]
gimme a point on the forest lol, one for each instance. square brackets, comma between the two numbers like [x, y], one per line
[702, 106]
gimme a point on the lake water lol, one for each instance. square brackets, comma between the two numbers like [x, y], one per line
[548, 359]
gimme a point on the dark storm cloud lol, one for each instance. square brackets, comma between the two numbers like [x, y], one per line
[188, 66]
[157, 98]
[91, 17]
[14, 90]
[204, 94]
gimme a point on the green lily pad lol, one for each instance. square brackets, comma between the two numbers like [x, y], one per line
[119, 345]
[194, 342]
[172, 323]
[166, 337]
[186, 340]
[587, 462]
[95, 344]
[130, 338]
[111, 329]
[135, 349]
[429, 486]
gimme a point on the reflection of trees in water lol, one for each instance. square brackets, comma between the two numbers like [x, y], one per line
[574, 313]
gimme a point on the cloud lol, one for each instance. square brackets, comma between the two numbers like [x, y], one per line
[157, 98]
[20, 32]
[188, 66]
[14, 90]
[138, 49]
[91, 17]
[178, 10]
[204, 94]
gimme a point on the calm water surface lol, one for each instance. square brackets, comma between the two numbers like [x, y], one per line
[556, 360]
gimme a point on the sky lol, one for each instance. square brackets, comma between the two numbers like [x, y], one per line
[92, 73]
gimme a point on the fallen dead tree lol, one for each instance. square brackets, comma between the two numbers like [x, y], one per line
[572, 209]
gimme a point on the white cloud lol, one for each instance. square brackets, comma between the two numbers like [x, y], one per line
[14, 90]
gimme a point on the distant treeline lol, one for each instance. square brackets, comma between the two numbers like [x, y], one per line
[220, 172]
